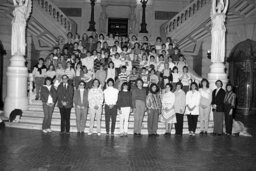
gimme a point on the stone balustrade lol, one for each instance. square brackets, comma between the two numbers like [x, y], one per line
[183, 16]
[56, 14]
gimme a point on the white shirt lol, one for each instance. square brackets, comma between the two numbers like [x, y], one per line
[82, 95]
[49, 100]
[88, 62]
[193, 99]
[110, 95]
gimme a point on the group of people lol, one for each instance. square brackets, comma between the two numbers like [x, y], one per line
[116, 75]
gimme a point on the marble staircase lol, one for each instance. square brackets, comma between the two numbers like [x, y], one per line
[33, 118]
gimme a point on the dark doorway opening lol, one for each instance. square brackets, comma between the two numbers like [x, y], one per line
[118, 26]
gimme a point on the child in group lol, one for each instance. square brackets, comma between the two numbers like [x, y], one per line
[144, 77]
[111, 72]
[166, 75]
[117, 63]
[185, 78]
[133, 77]
[181, 63]
[122, 77]
[78, 74]
[87, 77]
[101, 75]
[152, 61]
[153, 77]
[175, 77]
[144, 61]
[171, 63]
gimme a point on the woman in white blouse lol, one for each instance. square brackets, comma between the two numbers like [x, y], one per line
[205, 106]
[168, 113]
[192, 107]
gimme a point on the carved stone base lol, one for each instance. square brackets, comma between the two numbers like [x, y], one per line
[217, 72]
[17, 80]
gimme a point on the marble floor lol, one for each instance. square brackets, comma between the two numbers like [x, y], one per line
[31, 150]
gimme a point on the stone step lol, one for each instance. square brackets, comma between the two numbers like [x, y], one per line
[56, 115]
[73, 128]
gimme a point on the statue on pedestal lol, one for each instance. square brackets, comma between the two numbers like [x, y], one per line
[218, 16]
[20, 15]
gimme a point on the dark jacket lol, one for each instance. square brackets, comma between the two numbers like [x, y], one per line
[65, 95]
[218, 99]
[77, 98]
[124, 99]
[45, 94]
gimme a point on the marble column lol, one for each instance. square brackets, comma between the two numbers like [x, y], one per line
[17, 72]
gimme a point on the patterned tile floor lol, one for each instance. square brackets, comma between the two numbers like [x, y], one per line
[30, 150]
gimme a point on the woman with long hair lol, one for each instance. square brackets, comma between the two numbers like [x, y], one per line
[49, 99]
[229, 106]
[153, 103]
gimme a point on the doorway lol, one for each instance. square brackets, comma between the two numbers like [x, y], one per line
[118, 26]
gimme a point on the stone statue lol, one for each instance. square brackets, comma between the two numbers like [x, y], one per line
[218, 16]
[21, 13]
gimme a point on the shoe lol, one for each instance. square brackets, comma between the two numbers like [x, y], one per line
[219, 134]
[45, 131]
[121, 135]
[139, 134]
[98, 133]
[67, 133]
[89, 133]
[190, 133]
[62, 132]
[193, 134]
[49, 130]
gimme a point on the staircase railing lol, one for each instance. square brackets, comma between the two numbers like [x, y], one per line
[188, 12]
[56, 14]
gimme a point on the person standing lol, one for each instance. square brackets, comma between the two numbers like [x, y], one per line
[49, 98]
[95, 98]
[38, 76]
[65, 93]
[205, 106]
[218, 96]
[138, 100]
[168, 112]
[179, 107]
[110, 97]
[229, 105]
[81, 106]
[124, 105]
[192, 108]
[153, 103]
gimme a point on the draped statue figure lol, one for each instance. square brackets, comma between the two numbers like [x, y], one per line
[218, 16]
[21, 13]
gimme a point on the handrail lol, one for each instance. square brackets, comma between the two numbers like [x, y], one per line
[56, 14]
[183, 16]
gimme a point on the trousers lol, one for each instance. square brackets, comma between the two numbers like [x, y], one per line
[138, 115]
[110, 113]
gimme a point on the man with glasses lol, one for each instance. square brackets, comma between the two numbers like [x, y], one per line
[65, 94]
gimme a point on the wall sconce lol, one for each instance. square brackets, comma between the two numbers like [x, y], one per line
[209, 54]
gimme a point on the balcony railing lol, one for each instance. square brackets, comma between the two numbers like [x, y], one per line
[56, 14]
[188, 12]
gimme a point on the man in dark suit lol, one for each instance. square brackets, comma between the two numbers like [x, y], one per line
[218, 96]
[65, 94]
